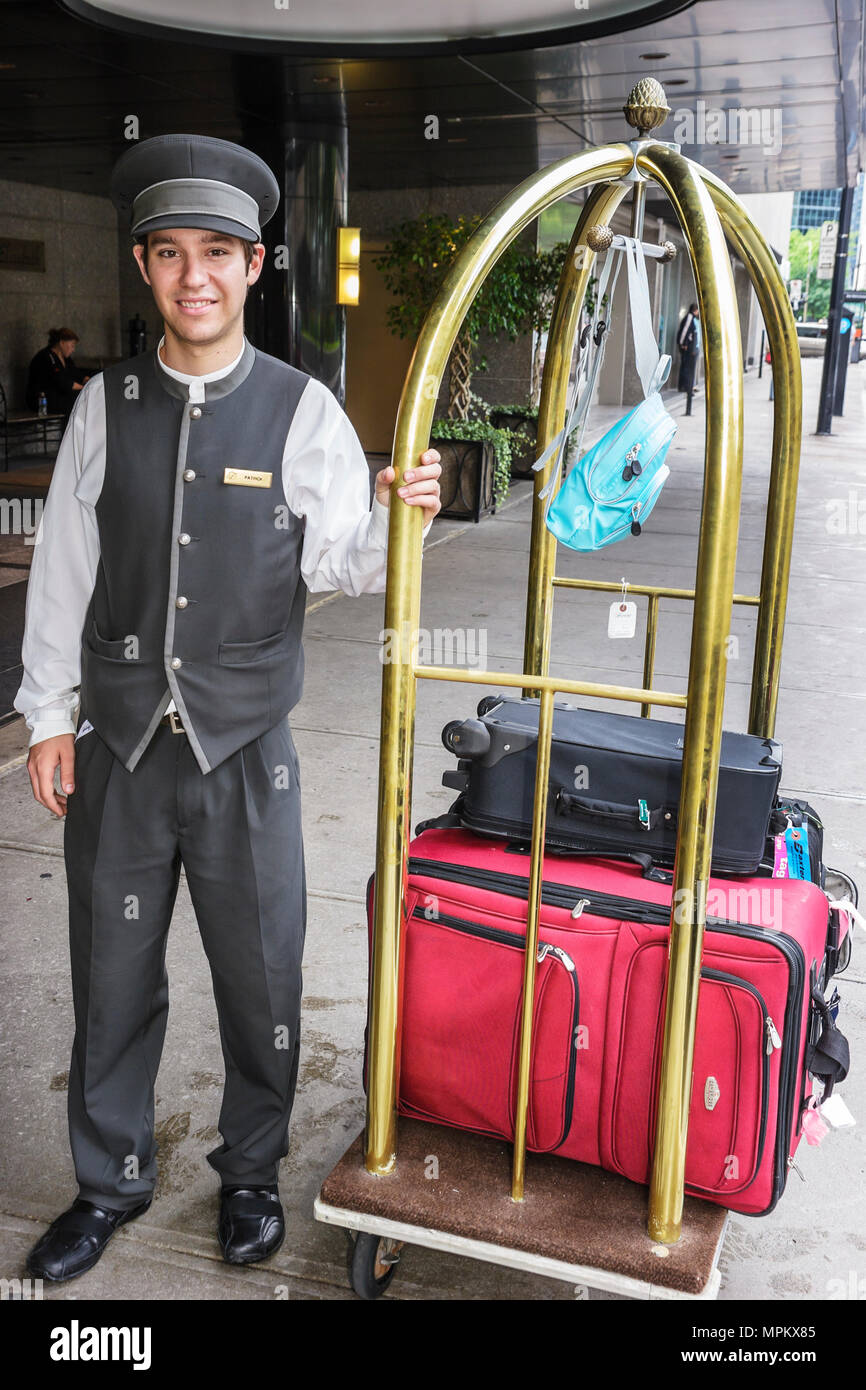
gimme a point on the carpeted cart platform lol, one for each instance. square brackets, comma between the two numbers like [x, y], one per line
[451, 1191]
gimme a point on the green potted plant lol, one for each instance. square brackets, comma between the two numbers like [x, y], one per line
[522, 422]
[476, 454]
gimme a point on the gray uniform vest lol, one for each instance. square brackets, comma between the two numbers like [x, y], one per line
[198, 594]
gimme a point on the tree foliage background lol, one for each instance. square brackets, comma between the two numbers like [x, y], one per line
[818, 291]
[516, 297]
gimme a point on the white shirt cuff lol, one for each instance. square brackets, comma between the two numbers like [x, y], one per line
[49, 728]
[379, 525]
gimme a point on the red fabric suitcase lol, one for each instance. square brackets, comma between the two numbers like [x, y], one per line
[599, 1010]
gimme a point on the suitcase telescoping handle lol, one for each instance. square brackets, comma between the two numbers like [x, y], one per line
[638, 815]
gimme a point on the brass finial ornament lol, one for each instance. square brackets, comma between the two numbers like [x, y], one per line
[647, 106]
[598, 238]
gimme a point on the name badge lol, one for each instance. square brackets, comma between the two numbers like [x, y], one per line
[247, 477]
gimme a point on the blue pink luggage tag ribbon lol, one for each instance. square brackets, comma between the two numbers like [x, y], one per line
[791, 857]
[797, 849]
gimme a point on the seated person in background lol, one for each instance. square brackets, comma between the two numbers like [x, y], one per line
[54, 373]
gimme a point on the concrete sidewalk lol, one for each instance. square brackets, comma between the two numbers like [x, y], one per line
[474, 579]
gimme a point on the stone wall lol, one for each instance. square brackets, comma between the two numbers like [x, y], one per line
[77, 289]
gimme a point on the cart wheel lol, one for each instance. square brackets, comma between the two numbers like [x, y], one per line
[372, 1263]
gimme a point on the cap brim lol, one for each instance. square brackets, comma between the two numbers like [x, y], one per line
[205, 222]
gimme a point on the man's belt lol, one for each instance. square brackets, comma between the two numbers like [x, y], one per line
[172, 719]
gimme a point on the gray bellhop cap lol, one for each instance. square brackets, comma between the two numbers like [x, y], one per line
[194, 181]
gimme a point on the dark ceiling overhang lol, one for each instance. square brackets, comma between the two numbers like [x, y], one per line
[66, 87]
[387, 29]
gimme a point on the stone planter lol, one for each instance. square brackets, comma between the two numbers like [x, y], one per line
[466, 481]
[521, 464]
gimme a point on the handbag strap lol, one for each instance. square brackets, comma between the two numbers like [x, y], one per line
[652, 367]
[600, 339]
[577, 409]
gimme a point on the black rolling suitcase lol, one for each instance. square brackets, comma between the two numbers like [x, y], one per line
[614, 782]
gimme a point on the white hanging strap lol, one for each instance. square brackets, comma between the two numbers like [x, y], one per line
[583, 408]
[845, 905]
[652, 368]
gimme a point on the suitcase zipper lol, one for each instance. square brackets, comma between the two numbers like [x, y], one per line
[503, 828]
[553, 894]
[656, 914]
[773, 1042]
[517, 940]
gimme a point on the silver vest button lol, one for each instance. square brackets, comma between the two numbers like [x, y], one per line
[183, 538]
[189, 475]
[176, 663]
[181, 602]
[195, 413]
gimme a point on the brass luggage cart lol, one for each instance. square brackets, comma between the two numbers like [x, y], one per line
[560, 1218]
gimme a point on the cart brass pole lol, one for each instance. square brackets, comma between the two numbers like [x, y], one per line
[402, 609]
[536, 868]
[599, 208]
[649, 651]
[608, 586]
[714, 588]
[638, 208]
[787, 430]
[558, 684]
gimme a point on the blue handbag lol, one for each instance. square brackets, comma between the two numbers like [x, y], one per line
[611, 490]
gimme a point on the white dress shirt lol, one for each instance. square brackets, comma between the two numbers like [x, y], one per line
[326, 481]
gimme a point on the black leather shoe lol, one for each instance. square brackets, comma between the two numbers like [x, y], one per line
[251, 1224]
[74, 1242]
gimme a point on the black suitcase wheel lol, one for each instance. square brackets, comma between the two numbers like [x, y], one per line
[372, 1263]
[468, 738]
[488, 703]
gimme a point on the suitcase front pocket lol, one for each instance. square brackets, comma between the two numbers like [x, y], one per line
[461, 1026]
[735, 1041]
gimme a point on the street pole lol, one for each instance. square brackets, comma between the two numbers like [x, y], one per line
[834, 316]
[808, 278]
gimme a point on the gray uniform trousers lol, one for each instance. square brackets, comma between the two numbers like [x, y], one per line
[237, 832]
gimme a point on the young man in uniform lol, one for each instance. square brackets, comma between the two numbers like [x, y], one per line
[200, 491]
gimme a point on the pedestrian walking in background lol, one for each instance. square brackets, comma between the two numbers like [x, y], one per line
[689, 344]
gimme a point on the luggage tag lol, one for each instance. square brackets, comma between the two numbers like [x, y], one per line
[836, 1112]
[780, 856]
[797, 846]
[622, 619]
